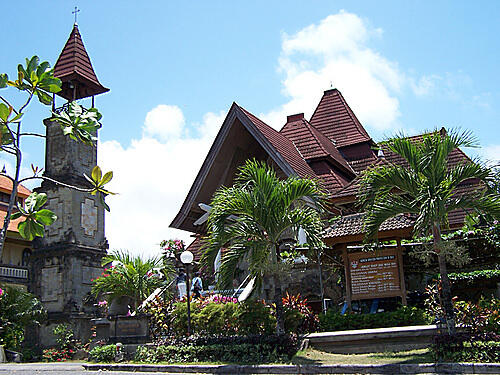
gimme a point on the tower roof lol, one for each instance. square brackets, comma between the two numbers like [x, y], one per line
[334, 118]
[74, 69]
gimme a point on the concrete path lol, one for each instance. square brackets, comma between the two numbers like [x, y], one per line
[125, 369]
[58, 369]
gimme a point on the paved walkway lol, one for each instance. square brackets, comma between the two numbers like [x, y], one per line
[58, 369]
[124, 369]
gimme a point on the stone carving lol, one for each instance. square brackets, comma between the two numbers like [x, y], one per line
[89, 217]
[51, 283]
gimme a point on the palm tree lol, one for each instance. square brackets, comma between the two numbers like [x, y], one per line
[251, 219]
[131, 276]
[429, 188]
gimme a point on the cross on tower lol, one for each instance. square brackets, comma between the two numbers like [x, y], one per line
[75, 12]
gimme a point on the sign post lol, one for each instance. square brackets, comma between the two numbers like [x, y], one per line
[375, 274]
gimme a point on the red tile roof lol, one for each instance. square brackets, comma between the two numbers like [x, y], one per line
[352, 225]
[283, 146]
[334, 118]
[6, 187]
[311, 143]
[74, 65]
[195, 248]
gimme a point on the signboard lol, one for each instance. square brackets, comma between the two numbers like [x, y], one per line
[374, 274]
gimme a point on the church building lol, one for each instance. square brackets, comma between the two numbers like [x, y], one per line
[332, 146]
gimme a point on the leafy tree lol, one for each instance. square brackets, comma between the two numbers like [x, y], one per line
[251, 219]
[429, 188]
[131, 276]
[18, 310]
[37, 79]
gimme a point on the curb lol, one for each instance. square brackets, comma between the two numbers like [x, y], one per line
[396, 368]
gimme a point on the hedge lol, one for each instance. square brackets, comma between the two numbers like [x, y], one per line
[403, 316]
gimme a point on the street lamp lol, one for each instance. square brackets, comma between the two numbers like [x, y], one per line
[187, 259]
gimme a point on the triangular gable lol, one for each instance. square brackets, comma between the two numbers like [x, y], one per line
[278, 148]
[334, 118]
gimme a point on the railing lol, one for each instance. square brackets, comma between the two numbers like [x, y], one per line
[14, 272]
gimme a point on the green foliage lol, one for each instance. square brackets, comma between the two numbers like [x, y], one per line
[35, 216]
[37, 79]
[64, 336]
[18, 310]
[229, 349]
[250, 218]
[427, 184]
[474, 276]
[403, 316]
[249, 317]
[480, 318]
[98, 181]
[78, 123]
[105, 353]
[130, 276]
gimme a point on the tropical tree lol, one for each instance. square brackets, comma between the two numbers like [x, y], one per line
[36, 80]
[131, 276]
[18, 310]
[427, 186]
[251, 219]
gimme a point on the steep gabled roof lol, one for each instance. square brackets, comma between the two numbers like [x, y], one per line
[73, 68]
[311, 143]
[282, 145]
[334, 118]
[280, 149]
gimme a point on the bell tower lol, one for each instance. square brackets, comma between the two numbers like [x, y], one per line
[69, 256]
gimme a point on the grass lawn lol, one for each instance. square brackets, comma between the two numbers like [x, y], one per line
[311, 356]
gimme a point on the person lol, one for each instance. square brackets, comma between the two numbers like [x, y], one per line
[180, 282]
[197, 286]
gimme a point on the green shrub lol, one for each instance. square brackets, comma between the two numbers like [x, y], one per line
[254, 318]
[18, 310]
[250, 317]
[464, 348]
[105, 353]
[403, 316]
[232, 349]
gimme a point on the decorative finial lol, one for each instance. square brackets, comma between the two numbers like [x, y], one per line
[75, 12]
[4, 170]
[331, 84]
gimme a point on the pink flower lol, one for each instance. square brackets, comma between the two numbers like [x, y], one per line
[1, 292]
[103, 303]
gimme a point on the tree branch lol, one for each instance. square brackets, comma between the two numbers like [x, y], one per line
[45, 178]
[34, 135]
[10, 105]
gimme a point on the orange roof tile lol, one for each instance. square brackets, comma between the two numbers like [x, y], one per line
[6, 187]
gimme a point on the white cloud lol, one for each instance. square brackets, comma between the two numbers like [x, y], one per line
[152, 177]
[335, 51]
[164, 121]
[491, 154]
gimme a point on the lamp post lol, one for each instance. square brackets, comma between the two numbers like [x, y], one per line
[187, 259]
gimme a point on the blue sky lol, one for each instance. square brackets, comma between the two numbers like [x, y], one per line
[174, 68]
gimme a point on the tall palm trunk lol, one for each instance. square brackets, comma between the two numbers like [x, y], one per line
[445, 282]
[278, 296]
[278, 301]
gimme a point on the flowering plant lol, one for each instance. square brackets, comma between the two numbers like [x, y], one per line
[57, 355]
[172, 248]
